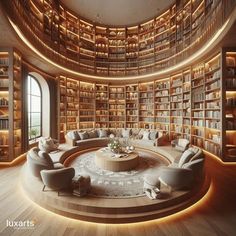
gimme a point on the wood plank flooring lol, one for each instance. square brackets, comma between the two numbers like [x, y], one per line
[216, 215]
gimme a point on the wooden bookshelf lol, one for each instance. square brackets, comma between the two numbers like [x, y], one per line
[229, 105]
[146, 105]
[162, 105]
[176, 105]
[132, 105]
[86, 105]
[62, 107]
[10, 104]
[198, 105]
[212, 105]
[102, 112]
[186, 129]
[117, 107]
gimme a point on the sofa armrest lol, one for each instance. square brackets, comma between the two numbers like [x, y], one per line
[69, 141]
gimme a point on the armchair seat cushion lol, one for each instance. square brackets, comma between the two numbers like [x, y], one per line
[151, 180]
[58, 165]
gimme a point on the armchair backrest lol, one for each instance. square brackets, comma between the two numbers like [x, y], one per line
[196, 166]
[38, 160]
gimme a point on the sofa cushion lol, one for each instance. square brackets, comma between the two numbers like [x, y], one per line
[73, 134]
[126, 133]
[83, 135]
[93, 134]
[186, 157]
[146, 135]
[102, 133]
[153, 134]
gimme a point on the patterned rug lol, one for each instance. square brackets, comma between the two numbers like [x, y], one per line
[108, 184]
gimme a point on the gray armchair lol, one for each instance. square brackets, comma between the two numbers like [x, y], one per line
[181, 177]
[59, 179]
[180, 144]
[182, 174]
[38, 160]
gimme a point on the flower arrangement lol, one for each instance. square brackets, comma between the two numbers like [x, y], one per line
[114, 145]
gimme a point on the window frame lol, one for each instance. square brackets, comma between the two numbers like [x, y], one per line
[29, 108]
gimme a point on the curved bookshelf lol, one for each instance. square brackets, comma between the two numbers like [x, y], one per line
[104, 51]
[186, 104]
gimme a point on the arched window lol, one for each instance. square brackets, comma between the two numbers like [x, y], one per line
[34, 108]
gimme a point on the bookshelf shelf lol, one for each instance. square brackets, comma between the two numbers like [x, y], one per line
[10, 104]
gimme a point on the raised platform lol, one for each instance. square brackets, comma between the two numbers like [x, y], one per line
[104, 210]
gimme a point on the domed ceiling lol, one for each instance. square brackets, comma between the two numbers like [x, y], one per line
[118, 12]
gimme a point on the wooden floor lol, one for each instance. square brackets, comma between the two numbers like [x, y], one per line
[215, 215]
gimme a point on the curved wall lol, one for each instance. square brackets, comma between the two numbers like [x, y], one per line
[152, 48]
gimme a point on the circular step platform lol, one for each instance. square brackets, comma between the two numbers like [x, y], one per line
[110, 210]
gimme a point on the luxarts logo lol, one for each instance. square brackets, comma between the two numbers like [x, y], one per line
[26, 224]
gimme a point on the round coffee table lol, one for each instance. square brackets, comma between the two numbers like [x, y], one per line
[105, 159]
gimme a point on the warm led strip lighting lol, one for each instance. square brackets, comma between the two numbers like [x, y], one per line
[168, 70]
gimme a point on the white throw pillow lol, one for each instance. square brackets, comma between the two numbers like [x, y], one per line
[47, 144]
[103, 133]
[186, 157]
[126, 133]
[83, 135]
[153, 134]
[73, 135]
[146, 135]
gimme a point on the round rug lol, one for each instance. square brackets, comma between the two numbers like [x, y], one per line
[125, 184]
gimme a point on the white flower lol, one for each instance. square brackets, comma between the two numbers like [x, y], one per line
[112, 136]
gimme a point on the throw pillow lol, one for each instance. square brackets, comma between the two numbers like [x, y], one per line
[135, 132]
[48, 144]
[146, 135]
[126, 133]
[46, 158]
[103, 133]
[186, 157]
[194, 149]
[73, 135]
[153, 134]
[83, 135]
[93, 134]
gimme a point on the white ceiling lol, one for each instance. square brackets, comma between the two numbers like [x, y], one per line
[117, 12]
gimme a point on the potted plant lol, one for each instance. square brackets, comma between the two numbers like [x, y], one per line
[33, 132]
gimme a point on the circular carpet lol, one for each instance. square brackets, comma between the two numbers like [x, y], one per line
[125, 184]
